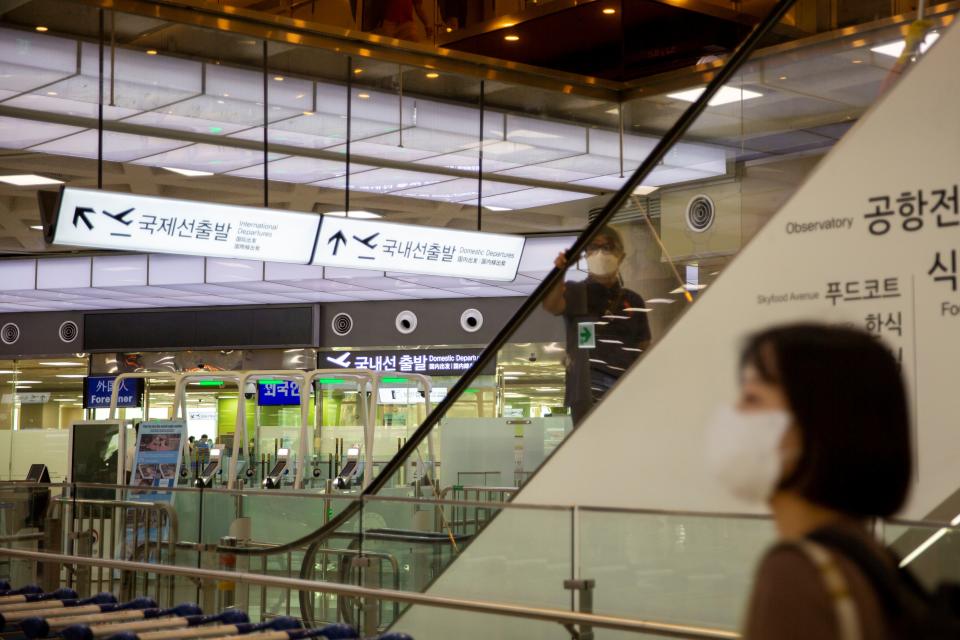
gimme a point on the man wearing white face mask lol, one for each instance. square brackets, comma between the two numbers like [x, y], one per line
[601, 301]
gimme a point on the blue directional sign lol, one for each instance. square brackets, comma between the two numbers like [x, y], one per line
[278, 393]
[97, 391]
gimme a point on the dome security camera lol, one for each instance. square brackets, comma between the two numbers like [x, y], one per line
[406, 322]
[249, 390]
[471, 320]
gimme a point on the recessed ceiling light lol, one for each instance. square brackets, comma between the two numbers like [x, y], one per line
[63, 399]
[894, 49]
[190, 173]
[857, 61]
[151, 52]
[308, 113]
[28, 180]
[41, 28]
[363, 96]
[725, 95]
[37, 227]
[359, 214]
[278, 78]
[51, 93]
[608, 11]
[24, 382]
[358, 71]
[614, 111]
[71, 375]
[433, 74]
[449, 29]
[783, 77]
[491, 207]
[7, 372]
[63, 363]
[660, 301]
[511, 38]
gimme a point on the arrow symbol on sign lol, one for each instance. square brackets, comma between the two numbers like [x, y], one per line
[80, 215]
[336, 239]
[585, 334]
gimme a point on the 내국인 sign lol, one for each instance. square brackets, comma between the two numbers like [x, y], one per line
[121, 221]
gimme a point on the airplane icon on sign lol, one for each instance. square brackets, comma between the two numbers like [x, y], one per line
[342, 361]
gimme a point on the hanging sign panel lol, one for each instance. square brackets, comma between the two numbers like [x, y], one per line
[97, 391]
[371, 244]
[105, 220]
[125, 222]
[451, 362]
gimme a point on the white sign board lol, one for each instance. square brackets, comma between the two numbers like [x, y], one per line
[29, 398]
[400, 395]
[371, 244]
[105, 220]
[125, 222]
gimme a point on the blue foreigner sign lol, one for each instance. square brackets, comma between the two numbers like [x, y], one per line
[278, 393]
[97, 391]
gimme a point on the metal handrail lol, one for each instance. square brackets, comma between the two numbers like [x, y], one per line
[558, 616]
[16, 484]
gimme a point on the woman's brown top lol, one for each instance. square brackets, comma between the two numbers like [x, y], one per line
[790, 601]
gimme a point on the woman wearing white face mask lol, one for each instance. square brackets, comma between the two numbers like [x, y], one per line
[821, 433]
[622, 331]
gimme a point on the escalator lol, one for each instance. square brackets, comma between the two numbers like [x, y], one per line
[427, 534]
[772, 112]
[700, 159]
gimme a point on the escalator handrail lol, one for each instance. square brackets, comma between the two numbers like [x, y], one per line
[722, 75]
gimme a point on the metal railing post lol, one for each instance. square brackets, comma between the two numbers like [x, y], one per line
[584, 589]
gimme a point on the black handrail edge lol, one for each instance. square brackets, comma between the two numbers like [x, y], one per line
[671, 137]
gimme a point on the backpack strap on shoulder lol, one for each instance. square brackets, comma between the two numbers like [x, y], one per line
[837, 588]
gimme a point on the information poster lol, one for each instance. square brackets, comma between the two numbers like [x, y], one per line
[157, 459]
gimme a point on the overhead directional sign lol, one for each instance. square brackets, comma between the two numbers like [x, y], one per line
[105, 220]
[121, 221]
[384, 246]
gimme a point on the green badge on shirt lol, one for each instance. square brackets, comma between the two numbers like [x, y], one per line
[586, 335]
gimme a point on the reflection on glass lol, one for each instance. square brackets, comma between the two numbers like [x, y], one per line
[605, 322]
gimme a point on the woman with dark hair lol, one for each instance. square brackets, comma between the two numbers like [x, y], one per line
[821, 432]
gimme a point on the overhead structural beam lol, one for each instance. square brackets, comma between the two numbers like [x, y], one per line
[281, 149]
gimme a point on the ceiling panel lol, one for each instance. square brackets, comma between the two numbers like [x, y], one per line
[29, 60]
[20, 134]
[384, 180]
[207, 157]
[117, 147]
